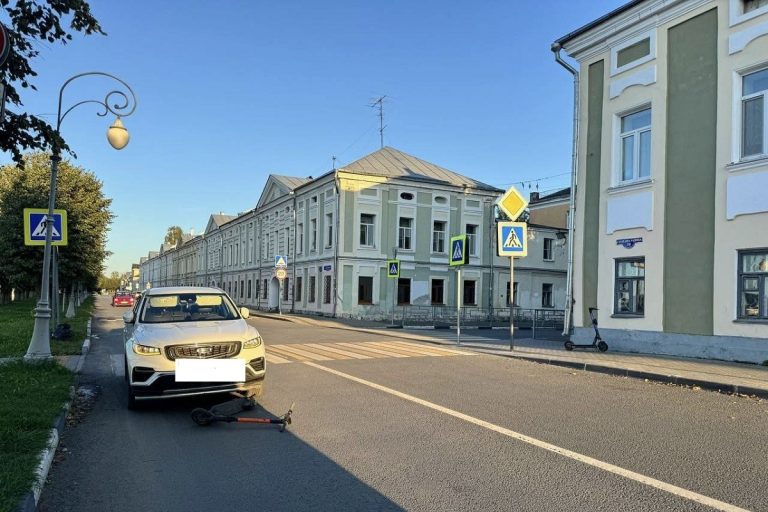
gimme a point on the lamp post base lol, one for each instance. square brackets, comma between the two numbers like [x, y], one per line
[40, 346]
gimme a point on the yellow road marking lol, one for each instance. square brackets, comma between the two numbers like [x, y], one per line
[272, 358]
[331, 348]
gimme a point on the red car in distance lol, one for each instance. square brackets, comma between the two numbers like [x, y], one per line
[122, 298]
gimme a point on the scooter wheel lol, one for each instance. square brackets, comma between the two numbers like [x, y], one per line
[602, 346]
[568, 345]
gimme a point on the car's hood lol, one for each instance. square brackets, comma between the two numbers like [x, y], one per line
[193, 332]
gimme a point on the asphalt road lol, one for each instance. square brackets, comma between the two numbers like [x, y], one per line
[426, 430]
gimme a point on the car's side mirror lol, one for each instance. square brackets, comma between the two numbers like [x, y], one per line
[245, 312]
[128, 317]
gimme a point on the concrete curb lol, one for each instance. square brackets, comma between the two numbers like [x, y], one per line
[28, 502]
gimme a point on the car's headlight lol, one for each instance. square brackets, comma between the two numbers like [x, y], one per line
[253, 342]
[145, 350]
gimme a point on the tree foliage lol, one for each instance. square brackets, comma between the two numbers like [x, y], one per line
[174, 235]
[32, 25]
[110, 283]
[79, 192]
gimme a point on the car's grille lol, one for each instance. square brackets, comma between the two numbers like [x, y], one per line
[203, 350]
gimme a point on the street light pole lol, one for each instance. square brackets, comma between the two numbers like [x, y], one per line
[123, 105]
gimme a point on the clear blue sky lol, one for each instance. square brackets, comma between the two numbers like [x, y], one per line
[230, 92]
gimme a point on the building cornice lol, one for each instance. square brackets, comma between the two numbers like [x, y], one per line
[637, 19]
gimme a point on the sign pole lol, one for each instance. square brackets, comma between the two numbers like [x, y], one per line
[511, 304]
[458, 306]
[279, 298]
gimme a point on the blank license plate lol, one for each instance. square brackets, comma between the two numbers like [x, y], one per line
[210, 370]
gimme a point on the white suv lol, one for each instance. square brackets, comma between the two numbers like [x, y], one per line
[186, 341]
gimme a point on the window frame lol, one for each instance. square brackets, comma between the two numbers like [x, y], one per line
[432, 300]
[438, 236]
[616, 69]
[762, 286]
[633, 287]
[370, 230]
[327, 288]
[549, 253]
[400, 281]
[740, 100]
[405, 234]
[464, 301]
[636, 135]
[547, 295]
[472, 238]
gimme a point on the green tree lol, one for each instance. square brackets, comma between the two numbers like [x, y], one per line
[79, 192]
[110, 283]
[32, 25]
[173, 235]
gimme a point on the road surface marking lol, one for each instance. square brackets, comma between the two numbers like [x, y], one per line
[373, 348]
[295, 351]
[117, 363]
[272, 358]
[605, 466]
[424, 350]
[331, 348]
[319, 350]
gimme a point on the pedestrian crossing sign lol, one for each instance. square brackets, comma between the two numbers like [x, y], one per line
[459, 255]
[35, 226]
[393, 269]
[281, 261]
[513, 239]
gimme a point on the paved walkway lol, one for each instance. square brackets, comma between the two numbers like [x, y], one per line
[715, 375]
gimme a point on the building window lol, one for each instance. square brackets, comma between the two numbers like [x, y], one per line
[546, 295]
[630, 287]
[753, 134]
[635, 146]
[364, 290]
[472, 239]
[326, 289]
[407, 196]
[264, 290]
[297, 289]
[405, 233]
[366, 229]
[548, 255]
[438, 289]
[329, 223]
[242, 288]
[438, 236]
[286, 288]
[314, 199]
[751, 5]
[249, 288]
[300, 233]
[514, 295]
[633, 52]
[313, 235]
[753, 284]
[469, 293]
[312, 289]
[403, 291]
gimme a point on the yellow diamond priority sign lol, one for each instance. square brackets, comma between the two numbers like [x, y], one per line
[512, 203]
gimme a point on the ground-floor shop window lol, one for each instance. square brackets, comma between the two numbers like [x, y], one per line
[753, 284]
[297, 289]
[630, 287]
[438, 291]
[469, 293]
[249, 288]
[403, 291]
[311, 288]
[242, 288]
[264, 290]
[364, 290]
[286, 287]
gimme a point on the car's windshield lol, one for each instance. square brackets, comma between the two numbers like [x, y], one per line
[123, 293]
[188, 307]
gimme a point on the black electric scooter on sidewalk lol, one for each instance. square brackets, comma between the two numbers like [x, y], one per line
[597, 343]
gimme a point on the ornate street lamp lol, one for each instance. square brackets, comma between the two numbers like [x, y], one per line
[120, 104]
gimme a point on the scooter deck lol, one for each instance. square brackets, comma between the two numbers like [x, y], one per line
[233, 407]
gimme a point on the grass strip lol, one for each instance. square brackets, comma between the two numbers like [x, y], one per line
[17, 322]
[33, 395]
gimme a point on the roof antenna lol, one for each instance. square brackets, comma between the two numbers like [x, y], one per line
[380, 103]
[334, 162]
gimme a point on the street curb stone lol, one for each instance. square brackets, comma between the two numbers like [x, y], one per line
[28, 502]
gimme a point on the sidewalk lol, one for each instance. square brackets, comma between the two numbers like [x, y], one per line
[721, 376]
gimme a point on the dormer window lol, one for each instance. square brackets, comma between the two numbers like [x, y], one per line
[406, 196]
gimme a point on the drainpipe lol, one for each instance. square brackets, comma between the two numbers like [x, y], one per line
[295, 239]
[556, 47]
[337, 186]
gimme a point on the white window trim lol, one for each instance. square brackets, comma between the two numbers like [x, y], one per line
[412, 248]
[736, 15]
[446, 237]
[617, 182]
[372, 245]
[737, 115]
[650, 35]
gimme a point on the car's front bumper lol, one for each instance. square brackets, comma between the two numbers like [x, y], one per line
[150, 383]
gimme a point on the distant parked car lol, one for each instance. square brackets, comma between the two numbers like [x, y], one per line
[176, 328]
[122, 298]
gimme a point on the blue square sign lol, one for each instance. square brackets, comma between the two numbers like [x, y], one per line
[513, 239]
[35, 226]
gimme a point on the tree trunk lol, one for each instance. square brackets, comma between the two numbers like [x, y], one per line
[71, 309]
